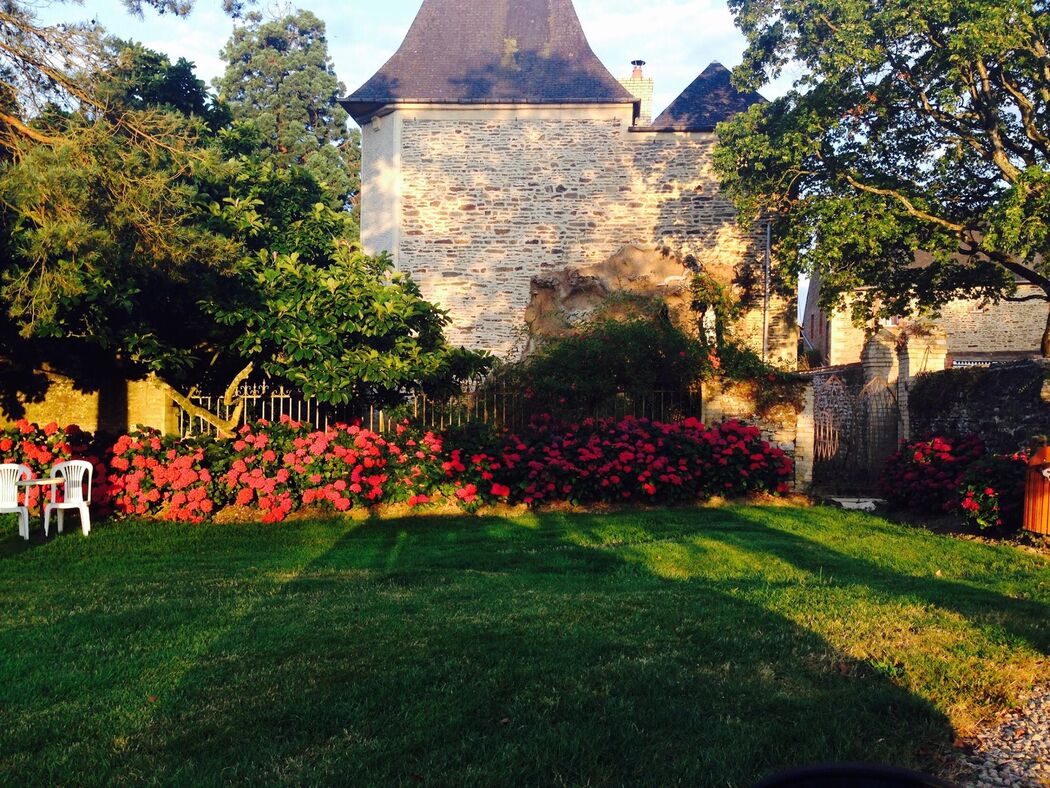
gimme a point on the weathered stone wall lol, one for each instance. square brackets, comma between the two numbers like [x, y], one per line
[119, 407]
[1007, 404]
[971, 328]
[488, 201]
[1006, 326]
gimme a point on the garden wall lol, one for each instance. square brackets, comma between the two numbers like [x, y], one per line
[1006, 404]
[784, 426]
[118, 407]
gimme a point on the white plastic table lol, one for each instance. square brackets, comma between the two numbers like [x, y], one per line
[40, 482]
[46, 482]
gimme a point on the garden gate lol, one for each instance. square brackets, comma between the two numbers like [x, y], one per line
[856, 431]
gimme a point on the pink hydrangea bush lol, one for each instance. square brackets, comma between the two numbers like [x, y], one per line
[991, 493]
[42, 447]
[925, 474]
[638, 460]
[152, 475]
[279, 468]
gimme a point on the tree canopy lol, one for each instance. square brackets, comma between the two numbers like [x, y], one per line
[912, 157]
[279, 76]
[144, 228]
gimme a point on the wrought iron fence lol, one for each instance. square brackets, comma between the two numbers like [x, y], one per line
[263, 401]
[500, 407]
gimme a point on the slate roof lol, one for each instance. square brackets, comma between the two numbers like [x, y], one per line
[709, 100]
[491, 51]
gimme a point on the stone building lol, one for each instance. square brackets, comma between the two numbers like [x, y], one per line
[976, 332]
[499, 153]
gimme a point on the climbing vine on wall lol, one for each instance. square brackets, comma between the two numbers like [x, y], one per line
[767, 386]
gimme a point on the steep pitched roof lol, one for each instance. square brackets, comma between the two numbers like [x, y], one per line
[709, 100]
[491, 51]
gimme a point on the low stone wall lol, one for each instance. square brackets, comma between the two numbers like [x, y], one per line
[114, 410]
[784, 427]
[1007, 404]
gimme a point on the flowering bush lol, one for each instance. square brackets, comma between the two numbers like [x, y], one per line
[608, 461]
[925, 474]
[992, 491]
[160, 476]
[40, 448]
[278, 468]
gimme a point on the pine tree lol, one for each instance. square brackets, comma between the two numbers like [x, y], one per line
[280, 76]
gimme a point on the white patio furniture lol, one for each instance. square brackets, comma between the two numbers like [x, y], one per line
[10, 475]
[77, 477]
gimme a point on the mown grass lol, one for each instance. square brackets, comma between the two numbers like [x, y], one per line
[698, 647]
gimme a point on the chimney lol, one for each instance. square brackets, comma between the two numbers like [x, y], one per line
[641, 87]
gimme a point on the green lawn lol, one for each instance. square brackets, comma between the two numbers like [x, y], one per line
[705, 646]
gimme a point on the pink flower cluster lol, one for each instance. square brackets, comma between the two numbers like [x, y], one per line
[992, 491]
[276, 469]
[161, 477]
[602, 460]
[42, 447]
[925, 474]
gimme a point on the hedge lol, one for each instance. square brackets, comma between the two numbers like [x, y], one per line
[275, 469]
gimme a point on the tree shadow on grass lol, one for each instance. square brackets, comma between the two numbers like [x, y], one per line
[490, 651]
[1018, 617]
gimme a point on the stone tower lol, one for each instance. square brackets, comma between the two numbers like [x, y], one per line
[498, 150]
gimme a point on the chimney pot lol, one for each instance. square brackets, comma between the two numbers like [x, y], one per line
[637, 73]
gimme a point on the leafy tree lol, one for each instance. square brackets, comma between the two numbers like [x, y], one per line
[921, 126]
[202, 259]
[349, 331]
[137, 77]
[279, 75]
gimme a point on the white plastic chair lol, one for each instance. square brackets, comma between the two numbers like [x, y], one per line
[10, 475]
[74, 472]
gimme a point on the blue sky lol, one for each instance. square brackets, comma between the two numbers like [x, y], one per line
[677, 38]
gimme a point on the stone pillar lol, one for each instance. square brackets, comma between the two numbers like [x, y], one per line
[879, 357]
[920, 351]
[149, 405]
[805, 441]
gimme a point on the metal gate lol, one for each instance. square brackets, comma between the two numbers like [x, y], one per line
[856, 432]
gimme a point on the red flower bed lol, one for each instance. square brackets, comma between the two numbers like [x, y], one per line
[606, 461]
[925, 474]
[992, 490]
[160, 476]
[944, 474]
[279, 468]
[40, 448]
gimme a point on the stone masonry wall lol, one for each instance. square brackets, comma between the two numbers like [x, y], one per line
[488, 204]
[1007, 404]
[973, 328]
[121, 406]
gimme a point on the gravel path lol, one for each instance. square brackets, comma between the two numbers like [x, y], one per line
[1015, 750]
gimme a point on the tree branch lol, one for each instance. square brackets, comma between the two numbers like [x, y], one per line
[1033, 297]
[1021, 270]
[225, 427]
[27, 131]
[909, 206]
[992, 126]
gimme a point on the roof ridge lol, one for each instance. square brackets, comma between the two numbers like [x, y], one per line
[491, 51]
[707, 101]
